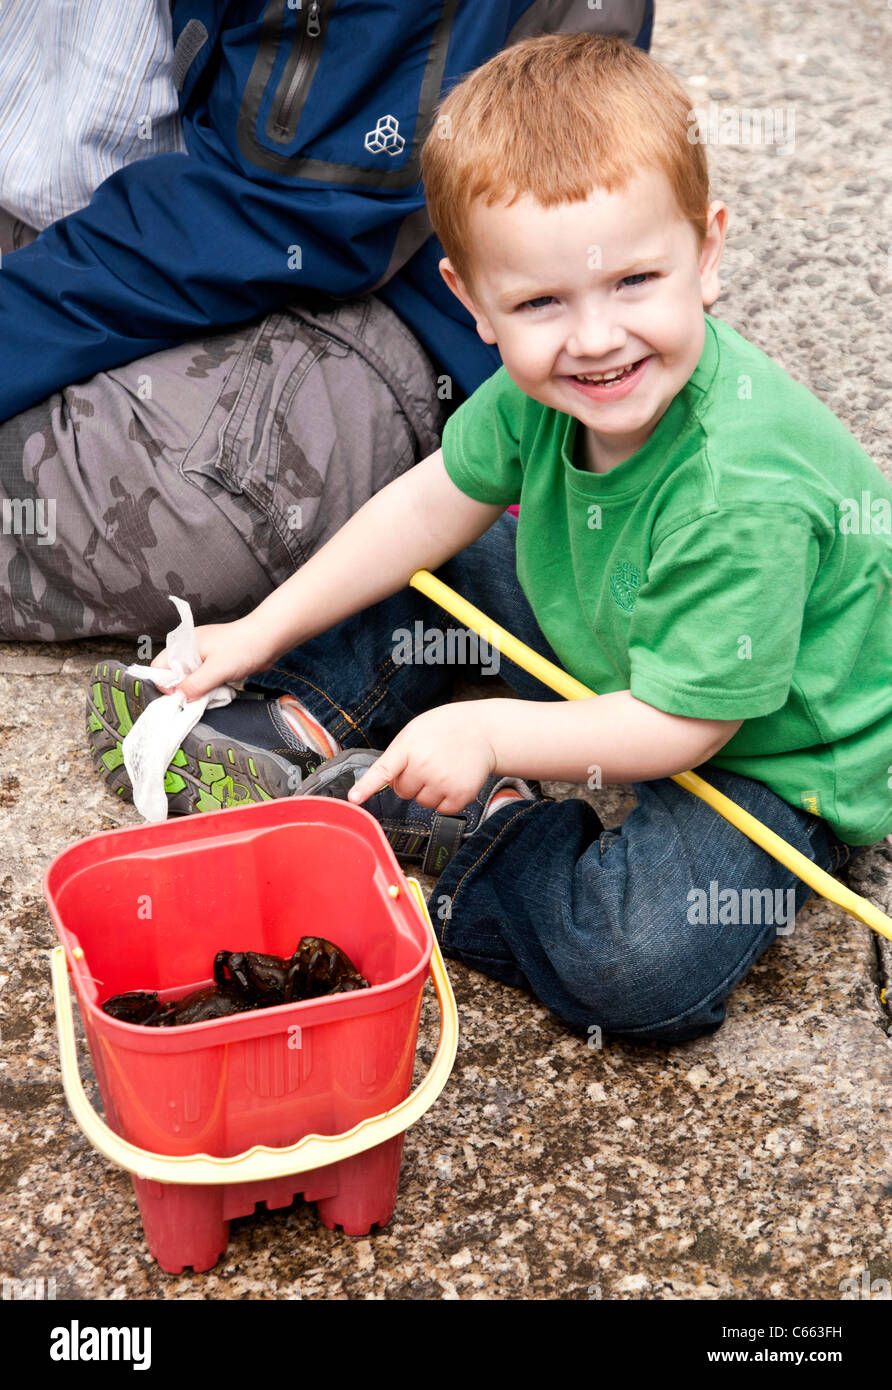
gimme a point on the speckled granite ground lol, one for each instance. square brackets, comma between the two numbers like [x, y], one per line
[753, 1163]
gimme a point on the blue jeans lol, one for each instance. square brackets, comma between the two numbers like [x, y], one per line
[605, 926]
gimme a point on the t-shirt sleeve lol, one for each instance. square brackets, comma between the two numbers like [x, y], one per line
[480, 445]
[716, 626]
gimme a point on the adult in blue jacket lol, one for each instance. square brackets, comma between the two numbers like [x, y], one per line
[257, 328]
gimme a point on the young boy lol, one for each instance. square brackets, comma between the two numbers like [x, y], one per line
[685, 547]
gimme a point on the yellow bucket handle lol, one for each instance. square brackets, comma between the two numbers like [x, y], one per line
[572, 689]
[260, 1162]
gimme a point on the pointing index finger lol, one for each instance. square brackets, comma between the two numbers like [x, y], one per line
[375, 777]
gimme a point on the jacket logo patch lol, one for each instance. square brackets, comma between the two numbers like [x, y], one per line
[385, 138]
[624, 585]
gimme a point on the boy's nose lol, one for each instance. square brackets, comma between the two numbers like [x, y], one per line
[595, 336]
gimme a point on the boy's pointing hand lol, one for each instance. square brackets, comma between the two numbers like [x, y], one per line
[441, 760]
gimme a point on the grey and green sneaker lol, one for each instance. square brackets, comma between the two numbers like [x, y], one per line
[213, 767]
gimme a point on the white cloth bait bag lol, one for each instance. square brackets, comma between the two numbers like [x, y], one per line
[163, 724]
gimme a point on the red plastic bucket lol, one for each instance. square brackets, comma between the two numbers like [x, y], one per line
[148, 908]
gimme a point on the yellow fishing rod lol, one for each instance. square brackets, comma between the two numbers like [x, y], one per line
[572, 689]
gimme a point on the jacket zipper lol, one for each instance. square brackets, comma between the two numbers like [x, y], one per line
[312, 31]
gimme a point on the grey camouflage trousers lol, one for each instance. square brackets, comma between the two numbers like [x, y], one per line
[210, 470]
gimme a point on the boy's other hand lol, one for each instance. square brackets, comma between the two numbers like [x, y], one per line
[229, 652]
[441, 760]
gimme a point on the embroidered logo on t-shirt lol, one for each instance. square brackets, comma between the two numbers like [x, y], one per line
[624, 585]
[811, 802]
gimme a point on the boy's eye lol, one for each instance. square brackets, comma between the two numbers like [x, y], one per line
[637, 279]
[539, 303]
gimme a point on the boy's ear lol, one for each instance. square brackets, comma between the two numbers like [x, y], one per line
[460, 290]
[711, 252]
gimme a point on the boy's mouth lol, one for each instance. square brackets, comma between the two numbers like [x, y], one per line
[611, 385]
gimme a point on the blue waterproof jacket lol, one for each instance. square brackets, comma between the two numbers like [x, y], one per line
[303, 121]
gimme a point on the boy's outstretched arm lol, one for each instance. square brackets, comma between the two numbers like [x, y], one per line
[442, 758]
[418, 521]
[617, 736]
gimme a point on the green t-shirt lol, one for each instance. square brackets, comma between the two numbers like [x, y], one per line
[737, 566]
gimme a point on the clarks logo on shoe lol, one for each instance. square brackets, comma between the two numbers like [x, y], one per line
[442, 858]
[624, 585]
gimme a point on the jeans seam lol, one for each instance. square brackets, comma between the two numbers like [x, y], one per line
[350, 723]
[373, 697]
[368, 705]
[523, 811]
[302, 680]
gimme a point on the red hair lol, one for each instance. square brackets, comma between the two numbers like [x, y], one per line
[555, 117]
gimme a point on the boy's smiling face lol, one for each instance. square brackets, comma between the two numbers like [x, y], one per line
[614, 283]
